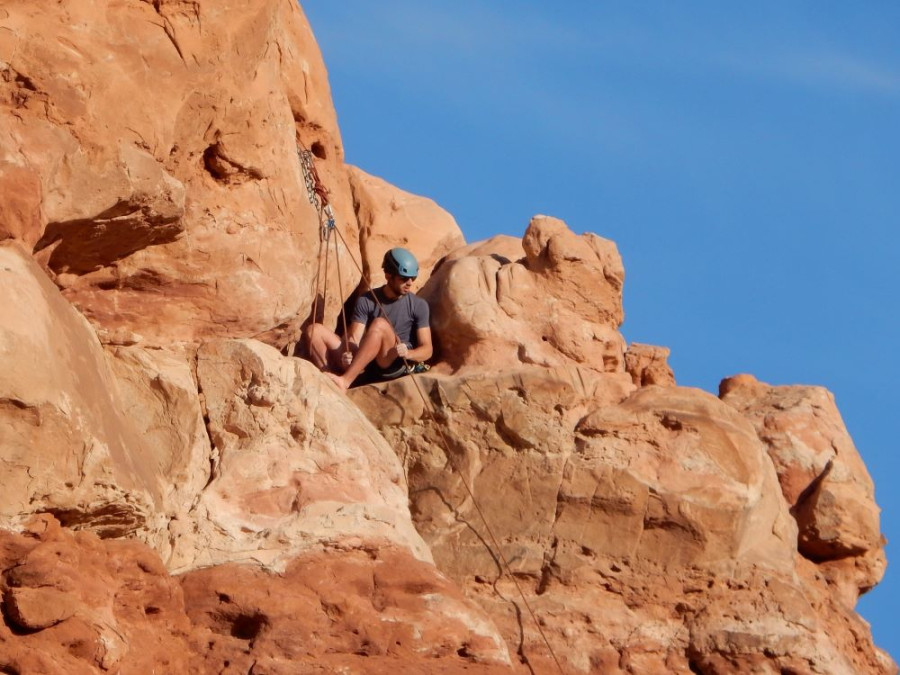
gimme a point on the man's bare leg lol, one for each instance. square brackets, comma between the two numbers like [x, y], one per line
[377, 345]
[321, 342]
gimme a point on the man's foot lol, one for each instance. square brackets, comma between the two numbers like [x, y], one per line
[339, 381]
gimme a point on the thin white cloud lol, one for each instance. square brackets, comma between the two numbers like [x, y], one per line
[821, 70]
[846, 71]
[399, 31]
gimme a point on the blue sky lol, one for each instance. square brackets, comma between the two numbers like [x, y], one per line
[745, 157]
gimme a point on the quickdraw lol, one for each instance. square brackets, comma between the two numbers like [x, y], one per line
[318, 197]
[318, 193]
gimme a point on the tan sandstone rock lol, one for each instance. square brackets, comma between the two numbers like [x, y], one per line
[193, 220]
[648, 364]
[64, 442]
[159, 395]
[295, 466]
[184, 212]
[20, 205]
[561, 304]
[390, 217]
[502, 247]
[148, 162]
[607, 493]
[822, 477]
[281, 464]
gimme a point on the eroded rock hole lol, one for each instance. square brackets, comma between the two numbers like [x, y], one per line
[695, 667]
[248, 626]
[671, 423]
[213, 163]
[318, 150]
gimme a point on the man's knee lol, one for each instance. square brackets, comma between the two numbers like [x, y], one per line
[316, 333]
[316, 330]
[381, 326]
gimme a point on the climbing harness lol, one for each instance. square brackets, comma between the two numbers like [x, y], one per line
[318, 197]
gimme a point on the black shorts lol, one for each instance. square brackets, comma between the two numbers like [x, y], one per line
[375, 373]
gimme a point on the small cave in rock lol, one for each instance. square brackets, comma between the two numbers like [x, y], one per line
[225, 169]
[318, 150]
[671, 423]
[213, 163]
[111, 521]
[248, 626]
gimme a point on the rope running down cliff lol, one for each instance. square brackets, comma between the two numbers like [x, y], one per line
[318, 196]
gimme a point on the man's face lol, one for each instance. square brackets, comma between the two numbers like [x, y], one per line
[400, 285]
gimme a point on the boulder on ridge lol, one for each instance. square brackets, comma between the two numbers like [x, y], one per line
[822, 477]
[560, 304]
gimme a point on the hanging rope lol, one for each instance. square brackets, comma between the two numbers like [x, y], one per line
[346, 340]
[318, 196]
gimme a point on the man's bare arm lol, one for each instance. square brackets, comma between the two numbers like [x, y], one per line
[425, 350]
[355, 334]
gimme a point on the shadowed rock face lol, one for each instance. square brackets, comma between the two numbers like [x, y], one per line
[158, 247]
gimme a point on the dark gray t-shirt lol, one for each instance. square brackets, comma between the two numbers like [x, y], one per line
[407, 314]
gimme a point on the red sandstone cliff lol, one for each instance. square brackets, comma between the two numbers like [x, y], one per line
[178, 495]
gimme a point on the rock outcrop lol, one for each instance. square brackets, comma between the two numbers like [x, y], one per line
[561, 303]
[179, 495]
[645, 526]
[73, 603]
[182, 214]
[823, 479]
[390, 217]
[295, 466]
[65, 442]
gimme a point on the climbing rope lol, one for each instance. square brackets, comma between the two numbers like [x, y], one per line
[318, 196]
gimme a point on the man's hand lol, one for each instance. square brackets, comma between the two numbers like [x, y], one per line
[402, 350]
[346, 359]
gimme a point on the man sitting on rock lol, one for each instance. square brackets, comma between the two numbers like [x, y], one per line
[389, 328]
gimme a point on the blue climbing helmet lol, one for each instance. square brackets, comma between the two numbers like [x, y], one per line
[400, 261]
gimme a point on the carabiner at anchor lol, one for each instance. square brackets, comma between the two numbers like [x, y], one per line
[329, 225]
